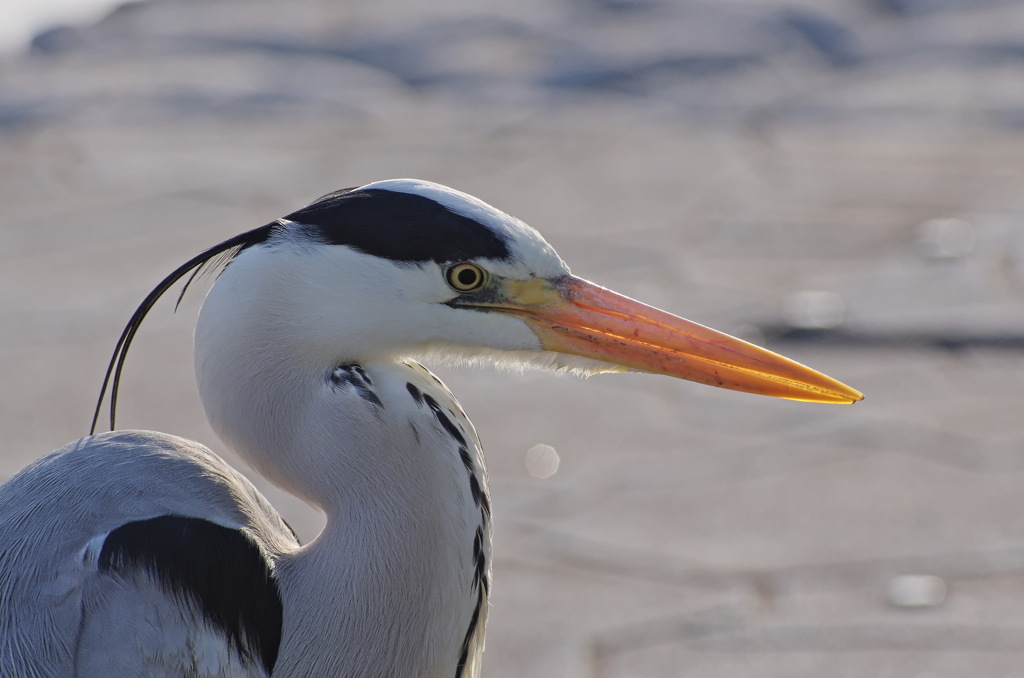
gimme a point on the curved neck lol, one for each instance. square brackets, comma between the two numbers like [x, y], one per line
[399, 574]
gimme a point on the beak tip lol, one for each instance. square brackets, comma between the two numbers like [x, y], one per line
[852, 394]
[846, 396]
[840, 394]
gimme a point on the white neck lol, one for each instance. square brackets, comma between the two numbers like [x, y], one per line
[391, 585]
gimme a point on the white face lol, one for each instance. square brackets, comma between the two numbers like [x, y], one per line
[384, 309]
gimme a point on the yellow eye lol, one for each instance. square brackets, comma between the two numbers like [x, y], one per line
[466, 277]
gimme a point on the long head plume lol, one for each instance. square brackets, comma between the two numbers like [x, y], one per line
[211, 259]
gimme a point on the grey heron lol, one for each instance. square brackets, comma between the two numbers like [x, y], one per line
[133, 553]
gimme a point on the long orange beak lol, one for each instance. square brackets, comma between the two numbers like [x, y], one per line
[570, 315]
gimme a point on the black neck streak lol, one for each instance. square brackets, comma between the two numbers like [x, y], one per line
[480, 587]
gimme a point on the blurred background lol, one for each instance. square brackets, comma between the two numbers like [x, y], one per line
[841, 180]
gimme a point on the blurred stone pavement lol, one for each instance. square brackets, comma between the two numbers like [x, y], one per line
[842, 180]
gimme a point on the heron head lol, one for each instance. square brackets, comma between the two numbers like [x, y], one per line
[407, 268]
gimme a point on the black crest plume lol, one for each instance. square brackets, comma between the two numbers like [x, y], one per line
[215, 256]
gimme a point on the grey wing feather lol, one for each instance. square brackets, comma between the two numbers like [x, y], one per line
[55, 516]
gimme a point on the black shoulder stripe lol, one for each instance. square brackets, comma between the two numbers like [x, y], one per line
[400, 226]
[220, 568]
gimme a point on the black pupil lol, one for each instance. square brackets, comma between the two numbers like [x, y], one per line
[467, 277]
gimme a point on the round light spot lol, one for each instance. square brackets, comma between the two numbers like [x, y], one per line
[542, 461]
[916, 591]
[814, 310]
[945, 238]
